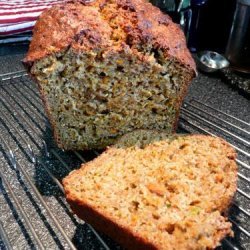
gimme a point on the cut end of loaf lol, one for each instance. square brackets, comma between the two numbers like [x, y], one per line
[92, 100]
[171, 194]
[106, 68]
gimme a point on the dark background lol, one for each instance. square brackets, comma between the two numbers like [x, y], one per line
[215, 23]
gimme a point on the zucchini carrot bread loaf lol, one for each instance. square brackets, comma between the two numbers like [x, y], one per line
[107, 67]
[169, 194]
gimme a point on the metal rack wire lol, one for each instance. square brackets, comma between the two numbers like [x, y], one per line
[29, 155]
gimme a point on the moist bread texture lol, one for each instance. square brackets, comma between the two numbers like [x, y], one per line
[170, 194]
[141, 138]
[107, 67]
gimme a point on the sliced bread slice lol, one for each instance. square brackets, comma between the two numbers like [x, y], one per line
[170, 194]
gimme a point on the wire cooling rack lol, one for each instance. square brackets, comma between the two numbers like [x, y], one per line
[33, 211]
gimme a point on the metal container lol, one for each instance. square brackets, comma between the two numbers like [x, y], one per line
[211, 61]
[238, 47]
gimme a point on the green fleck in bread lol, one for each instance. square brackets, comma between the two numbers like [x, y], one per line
[107, 67]
[169, 194]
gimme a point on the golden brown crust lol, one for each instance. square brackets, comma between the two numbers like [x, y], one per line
[103, 224]
[179, 103]
[83, 25]
[62, 26]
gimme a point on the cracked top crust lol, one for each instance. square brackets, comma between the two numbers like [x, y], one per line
[108, 25]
